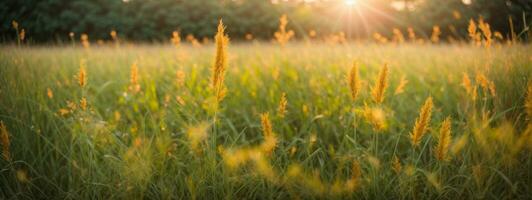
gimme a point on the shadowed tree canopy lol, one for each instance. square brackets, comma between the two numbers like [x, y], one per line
[154, 20]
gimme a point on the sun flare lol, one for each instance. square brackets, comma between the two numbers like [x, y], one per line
[350, 2]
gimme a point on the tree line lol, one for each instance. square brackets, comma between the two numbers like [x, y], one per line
[155, 20]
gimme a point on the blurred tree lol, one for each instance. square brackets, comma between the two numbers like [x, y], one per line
[154, 20]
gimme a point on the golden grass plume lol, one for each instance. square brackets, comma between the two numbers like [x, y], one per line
[422, 122]
[380, 85]
[270, 140]
[353, 80]
[473, 34]
[282, 35]
[220, 63]
[4, 140]
[398, 36]
[180, 78]
[444, 140]
[83, 103]
[196, 134]
[82, 74]
[283, 102]
[466, 83]
[486, 31]
[134, 85]
[528, 102]
[401, 86]
[396, 165]
[85, 40]
[436, 32]
[49, 93]
[411, 34]
[176, 38]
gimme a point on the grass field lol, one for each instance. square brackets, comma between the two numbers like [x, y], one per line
[144, 122]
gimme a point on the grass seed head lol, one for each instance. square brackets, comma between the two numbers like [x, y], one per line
[444, 140]
[82, 74]
[220, 63]
[49, 93]
[266, 124]
[176, 38]
[411, 34]
[85, 40]
[134, 85]
[528, 102]
[402, 84]
[354, 81]
[4, 140]
[180, 78]
[281, 110]
[14, 24]
[398, 36]
[486, 31]
[113, 34]
[380, 85]
[83, 103]
[422, 122]
[22, 34]
[459, 144]
[270, 140]
[396, 165]
[473, 35]
[436, 32]
[282, 35]
[196, 134]
[376, 117]
[466, 83]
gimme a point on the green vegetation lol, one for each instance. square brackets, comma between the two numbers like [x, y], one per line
[154, 20]
[144, 122]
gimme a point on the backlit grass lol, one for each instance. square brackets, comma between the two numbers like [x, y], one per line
[145, 123]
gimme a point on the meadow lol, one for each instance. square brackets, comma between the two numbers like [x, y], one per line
[257, 120]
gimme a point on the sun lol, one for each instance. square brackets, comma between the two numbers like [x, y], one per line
[350, 2]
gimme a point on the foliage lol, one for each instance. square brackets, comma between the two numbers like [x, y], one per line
[53, 20]
[76, 129]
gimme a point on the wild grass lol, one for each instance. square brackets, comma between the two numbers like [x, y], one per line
[289, 124]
